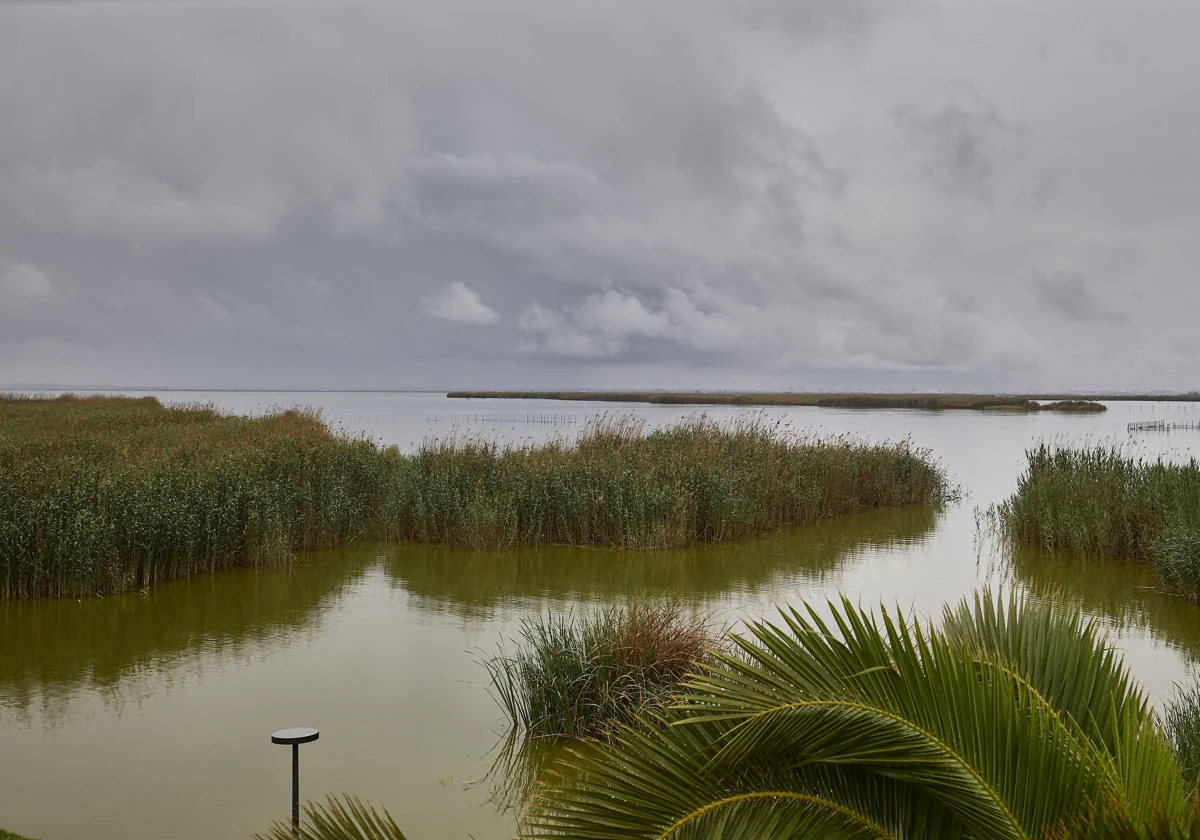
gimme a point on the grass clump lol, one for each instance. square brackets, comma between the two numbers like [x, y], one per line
[108, 494]
[579, 675]
[1181, 722]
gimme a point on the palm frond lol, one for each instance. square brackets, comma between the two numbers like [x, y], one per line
[347, 818]
[1010, 721]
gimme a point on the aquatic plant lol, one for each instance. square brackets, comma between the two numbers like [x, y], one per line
[578, 675]
[1177, 554]
[1099, 501]
[344, 818]
[1013, 719]
[1181, 720]
[108, 494]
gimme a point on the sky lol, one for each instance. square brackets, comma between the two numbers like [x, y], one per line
[719, 194]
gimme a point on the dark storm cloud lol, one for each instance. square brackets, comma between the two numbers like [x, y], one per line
[537, 193]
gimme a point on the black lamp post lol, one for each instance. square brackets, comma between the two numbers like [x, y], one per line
[295, 737]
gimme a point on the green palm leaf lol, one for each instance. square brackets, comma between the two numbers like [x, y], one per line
[1013, 720]
[347, 818]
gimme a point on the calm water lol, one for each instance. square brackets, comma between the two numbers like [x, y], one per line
[148, 715]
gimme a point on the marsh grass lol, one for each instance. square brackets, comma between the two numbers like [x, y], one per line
[579, 675]
[1177, 554]
[617, 485]
[107, 494]
[1181, 722]
[1101, 502]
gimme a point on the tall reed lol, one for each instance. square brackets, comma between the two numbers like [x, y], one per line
[1099, 501]
[107, 494]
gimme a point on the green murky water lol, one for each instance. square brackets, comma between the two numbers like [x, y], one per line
[149, 714]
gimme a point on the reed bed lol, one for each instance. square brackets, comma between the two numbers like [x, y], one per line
[1101, 502]
[577, 676]
[108, 494]
[103, 495]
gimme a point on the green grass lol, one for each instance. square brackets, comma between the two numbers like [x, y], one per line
[579, 675]
[108, 494]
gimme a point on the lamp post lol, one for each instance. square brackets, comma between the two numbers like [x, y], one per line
[295, 737]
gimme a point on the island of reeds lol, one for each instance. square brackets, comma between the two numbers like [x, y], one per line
[108, 494]
[921, 402]
[1102, 502]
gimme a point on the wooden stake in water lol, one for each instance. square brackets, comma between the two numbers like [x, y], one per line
[296, 736]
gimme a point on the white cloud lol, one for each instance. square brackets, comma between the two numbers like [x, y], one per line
[461, 305]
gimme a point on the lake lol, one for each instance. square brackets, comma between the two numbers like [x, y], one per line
[150, 714]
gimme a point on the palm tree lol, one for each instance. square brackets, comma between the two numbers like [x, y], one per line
[1014, 719]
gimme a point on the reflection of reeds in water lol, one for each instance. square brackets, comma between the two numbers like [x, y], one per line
[473, 584]
[1128, 595]
[53, 647]
[522, 766]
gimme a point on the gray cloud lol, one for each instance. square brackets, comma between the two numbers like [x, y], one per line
[964, 143]
[1067, 293]
[623, 194]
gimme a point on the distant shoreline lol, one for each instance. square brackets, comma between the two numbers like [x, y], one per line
[927, 401]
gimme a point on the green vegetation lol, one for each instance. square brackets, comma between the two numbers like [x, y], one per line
[347, 818]
[108, 494]
[8, 835]
[1073, 406]
[1098, 501]
[1181, 720]
[1177, 554]
[576, 676]
[925, 402]
[1014, 719]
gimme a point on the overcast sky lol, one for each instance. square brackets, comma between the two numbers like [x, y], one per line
[655, 193]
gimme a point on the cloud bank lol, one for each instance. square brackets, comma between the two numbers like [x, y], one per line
[711, 193]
